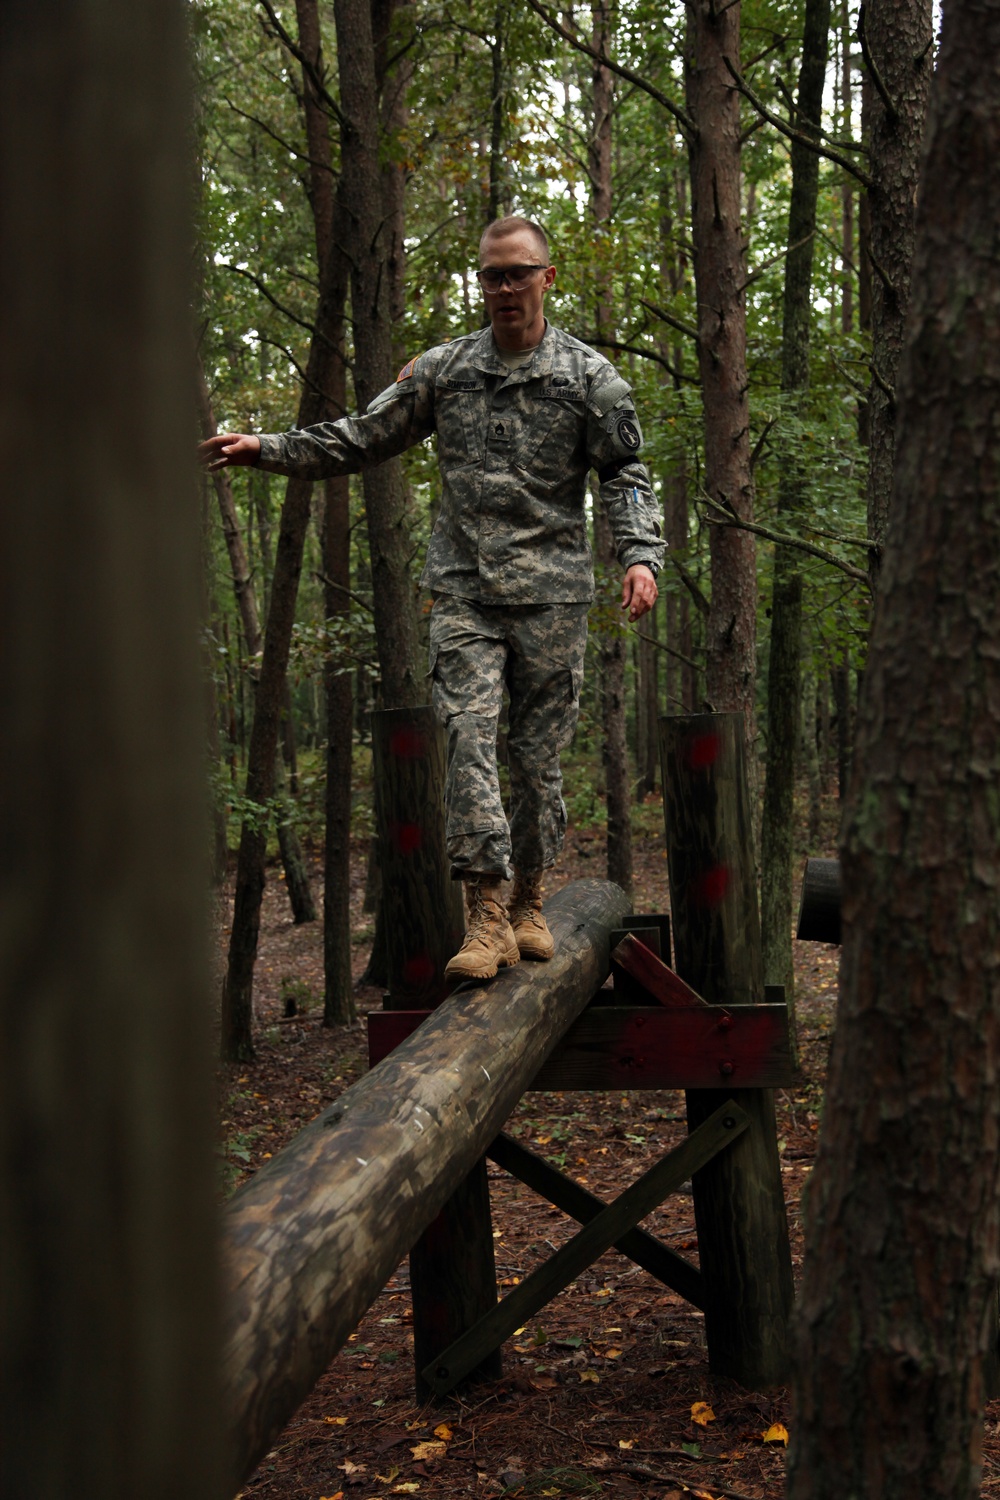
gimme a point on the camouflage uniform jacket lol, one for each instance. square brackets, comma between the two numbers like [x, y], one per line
[515, 447]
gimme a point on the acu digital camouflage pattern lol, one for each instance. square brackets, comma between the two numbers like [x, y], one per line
[515, 447]
[537, 651]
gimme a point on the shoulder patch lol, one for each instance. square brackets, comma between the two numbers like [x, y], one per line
[407, 370]
[608, 396]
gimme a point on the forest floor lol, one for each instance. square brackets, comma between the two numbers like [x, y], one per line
[607, 1392]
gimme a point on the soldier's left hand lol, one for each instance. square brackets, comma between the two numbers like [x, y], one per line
[639, 591]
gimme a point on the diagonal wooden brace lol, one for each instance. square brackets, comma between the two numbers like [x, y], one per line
[646, 1193]
[642, 1248]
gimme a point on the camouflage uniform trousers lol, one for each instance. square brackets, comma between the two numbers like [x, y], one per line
[536, 651]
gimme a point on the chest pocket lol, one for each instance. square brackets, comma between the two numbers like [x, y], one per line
[554, 434]
[460, 417]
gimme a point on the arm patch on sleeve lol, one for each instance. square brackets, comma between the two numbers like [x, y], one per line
[407, 370]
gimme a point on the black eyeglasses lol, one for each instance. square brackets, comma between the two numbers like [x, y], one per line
[516, 277]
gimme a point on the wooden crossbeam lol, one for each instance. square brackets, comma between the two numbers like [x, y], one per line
[727, 1123]
[645, 1047]
[648, 969]
[642, 1248]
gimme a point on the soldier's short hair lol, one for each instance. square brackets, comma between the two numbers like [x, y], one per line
[512, 224]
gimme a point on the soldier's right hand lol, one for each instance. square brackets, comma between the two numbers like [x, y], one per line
[227, 449]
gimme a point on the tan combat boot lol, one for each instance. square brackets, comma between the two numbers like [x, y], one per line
[489, 943]
[531, 933]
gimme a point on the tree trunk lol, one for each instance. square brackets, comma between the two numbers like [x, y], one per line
[898, 1302]
[811, 755]
[786, 599]
[612, 644]
[899, 36]
[338, 991]
[720, 274]
[108, 1314]
[292, 858]
[368, 244]
[648, 700]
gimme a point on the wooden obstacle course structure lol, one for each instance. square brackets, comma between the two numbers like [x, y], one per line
[313, 1237]
[398, 1161]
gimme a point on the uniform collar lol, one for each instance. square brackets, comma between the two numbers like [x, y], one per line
[485, 356]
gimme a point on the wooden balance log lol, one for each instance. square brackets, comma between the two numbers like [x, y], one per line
[313, 1237]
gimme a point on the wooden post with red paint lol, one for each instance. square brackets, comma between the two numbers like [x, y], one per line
[738, 1198]
[452, 1265]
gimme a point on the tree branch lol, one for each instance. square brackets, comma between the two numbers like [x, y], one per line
[687, 660]
[870, 64]
[792, 134]
[603, 343]
[313, 74]
[285, 145]
[683, 119]
[773, 261]
[262, 287]
[672, 321]
[322, 578]
[690, 583]
[781, 539]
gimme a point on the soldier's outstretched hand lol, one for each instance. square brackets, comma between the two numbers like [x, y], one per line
[639, 591]
[227, 449]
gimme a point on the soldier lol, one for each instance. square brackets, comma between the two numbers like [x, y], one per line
[522, 413]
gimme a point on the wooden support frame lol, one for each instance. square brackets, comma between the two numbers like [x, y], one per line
[711, 1137]
[643, 1249]
[645, 1047]
[738, 1198]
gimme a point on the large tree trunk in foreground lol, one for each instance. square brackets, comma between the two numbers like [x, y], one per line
[720, 275]
[786, 599]
[108, 1319]
[898, 1300]
[899, 36]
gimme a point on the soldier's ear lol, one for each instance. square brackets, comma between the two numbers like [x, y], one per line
[549, 278]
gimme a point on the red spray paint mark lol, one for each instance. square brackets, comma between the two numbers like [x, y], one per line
[419, 969]
[407, 837]
[710, 888]
[408, 744]
[703, 751]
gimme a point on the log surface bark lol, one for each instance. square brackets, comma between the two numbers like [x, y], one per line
[313, 1238]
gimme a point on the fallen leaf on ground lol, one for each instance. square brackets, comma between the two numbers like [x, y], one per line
[350, 1468]
[388, 1478]
[702, 1413]
[336, 1421]
[444, 1432]
[626, 1442]
[776, 1433]
[613, 1353]
[410, 1487]
[429, 1449]
[588, 1375]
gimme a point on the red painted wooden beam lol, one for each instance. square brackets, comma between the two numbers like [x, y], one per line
[659, 981]
[645, 1047]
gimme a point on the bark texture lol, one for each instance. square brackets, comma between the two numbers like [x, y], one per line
[108, 1315]
[720, 274]
[368, 243]
[898, 37]
[613, 645]
[898, 1301]
[783, 681]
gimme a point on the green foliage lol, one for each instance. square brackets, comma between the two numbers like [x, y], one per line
[257, 285]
